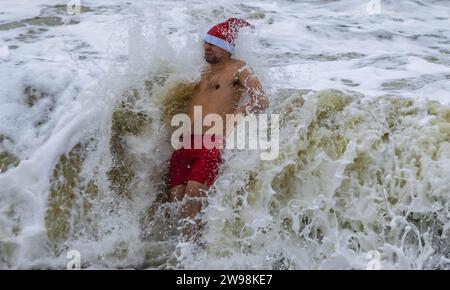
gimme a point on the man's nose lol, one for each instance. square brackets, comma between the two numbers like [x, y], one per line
[207, 46]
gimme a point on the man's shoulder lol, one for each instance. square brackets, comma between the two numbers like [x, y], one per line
[239, 66]
[238, 63]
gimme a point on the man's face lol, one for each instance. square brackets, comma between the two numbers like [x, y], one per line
[214, 54]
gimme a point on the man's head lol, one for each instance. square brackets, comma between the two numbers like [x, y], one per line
[220, 39]
[215, 54]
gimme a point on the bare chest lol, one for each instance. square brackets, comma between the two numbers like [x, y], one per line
[218, 84]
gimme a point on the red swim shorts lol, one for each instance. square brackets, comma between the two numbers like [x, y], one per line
[201, 165]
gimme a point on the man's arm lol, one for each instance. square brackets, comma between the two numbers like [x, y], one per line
[258, 99]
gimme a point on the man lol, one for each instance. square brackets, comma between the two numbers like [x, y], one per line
[222, 84]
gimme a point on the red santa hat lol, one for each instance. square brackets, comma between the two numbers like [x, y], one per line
[224, 34]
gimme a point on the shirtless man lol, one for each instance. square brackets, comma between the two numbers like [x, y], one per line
[222, 84]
